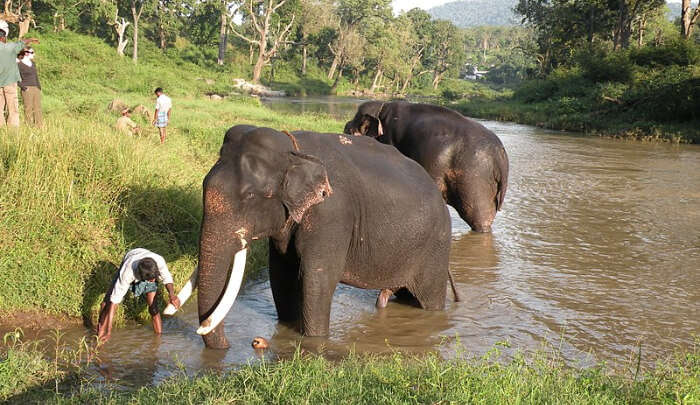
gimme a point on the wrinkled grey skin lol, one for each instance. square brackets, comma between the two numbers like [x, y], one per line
[341, 209]
[467, 161]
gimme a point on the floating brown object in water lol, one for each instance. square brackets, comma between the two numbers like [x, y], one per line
[260, 343]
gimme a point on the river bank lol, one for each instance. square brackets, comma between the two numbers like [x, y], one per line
[538, 377]
[545, 115]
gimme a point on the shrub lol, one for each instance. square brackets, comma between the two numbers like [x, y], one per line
[614, 67]
[679, 52]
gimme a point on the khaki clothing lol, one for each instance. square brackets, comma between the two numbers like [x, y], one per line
[8, 98]
[126, 125]
[31, 97]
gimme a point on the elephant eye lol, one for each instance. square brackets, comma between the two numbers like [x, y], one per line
[249, 196]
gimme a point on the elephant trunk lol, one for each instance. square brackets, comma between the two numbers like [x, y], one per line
[219, 252]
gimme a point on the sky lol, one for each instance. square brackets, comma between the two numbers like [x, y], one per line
[405, 5]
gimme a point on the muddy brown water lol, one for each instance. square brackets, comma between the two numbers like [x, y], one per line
[597, 250]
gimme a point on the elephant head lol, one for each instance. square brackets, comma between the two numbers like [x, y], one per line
[366, 120]
[258, 188]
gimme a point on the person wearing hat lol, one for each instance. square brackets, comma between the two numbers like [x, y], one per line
[126, 125]
[31, 88]
[9, 75]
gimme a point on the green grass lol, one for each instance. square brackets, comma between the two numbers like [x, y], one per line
[536, 378]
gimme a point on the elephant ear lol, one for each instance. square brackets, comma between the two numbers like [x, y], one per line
[305, 184]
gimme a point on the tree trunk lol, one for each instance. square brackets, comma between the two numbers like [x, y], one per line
[375, 82]
[436, 79]
[250, 54]
[688, 18]
[136, 16]
[222, 38]
[334, 65]
[642, 26]
[337, 79]
[257, 70]
[161, 33]
[303, 59]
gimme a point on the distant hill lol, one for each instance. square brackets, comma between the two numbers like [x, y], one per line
[473, 13]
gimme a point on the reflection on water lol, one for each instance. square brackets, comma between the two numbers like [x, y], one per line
[597, 248]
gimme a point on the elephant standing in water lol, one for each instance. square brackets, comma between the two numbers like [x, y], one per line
[336, 208]
[467, 161]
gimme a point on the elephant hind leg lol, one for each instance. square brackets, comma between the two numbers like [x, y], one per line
[475, 203]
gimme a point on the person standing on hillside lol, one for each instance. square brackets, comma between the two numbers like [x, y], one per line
[161, 116]
[9, 75]
[31, 88]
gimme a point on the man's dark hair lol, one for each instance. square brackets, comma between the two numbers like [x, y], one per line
[158, 90]
[147, 269]
[3, 34]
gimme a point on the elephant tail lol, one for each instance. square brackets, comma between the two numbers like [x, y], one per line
[454, 288]
[501, 178]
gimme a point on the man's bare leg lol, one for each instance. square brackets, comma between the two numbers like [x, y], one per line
[162, 135]
[153, 310]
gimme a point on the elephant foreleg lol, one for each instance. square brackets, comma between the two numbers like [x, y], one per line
[319, 284]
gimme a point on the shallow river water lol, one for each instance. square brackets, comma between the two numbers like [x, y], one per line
[596, 250]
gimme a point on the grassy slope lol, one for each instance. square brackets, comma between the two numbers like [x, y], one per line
[76, 196]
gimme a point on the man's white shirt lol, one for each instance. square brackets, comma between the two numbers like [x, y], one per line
[163, 103]
[127, 272]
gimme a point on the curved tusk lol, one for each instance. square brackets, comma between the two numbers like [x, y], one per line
[232, 287]
[184, 293]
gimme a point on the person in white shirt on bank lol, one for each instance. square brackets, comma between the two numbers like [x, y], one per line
[139, 272]
[161, 116]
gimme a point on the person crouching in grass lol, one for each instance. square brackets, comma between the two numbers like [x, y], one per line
[139, 272]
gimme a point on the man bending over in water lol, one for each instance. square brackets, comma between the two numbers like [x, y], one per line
[139, 272]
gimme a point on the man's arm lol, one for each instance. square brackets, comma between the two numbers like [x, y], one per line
[173, 297]
[167, 280]
[104, 324]
[155, 116]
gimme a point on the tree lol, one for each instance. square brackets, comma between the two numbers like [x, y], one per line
[261, 16]
[446, 52]
[228, 9]
[350, 14]
[168, 20]
[688, 18]
[137, 8]
[120, 24]
[315, 16]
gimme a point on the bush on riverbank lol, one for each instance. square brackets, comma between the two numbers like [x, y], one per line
[541, 377]
[649, 92]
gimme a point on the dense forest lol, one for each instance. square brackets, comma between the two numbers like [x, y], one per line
[475, 13]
